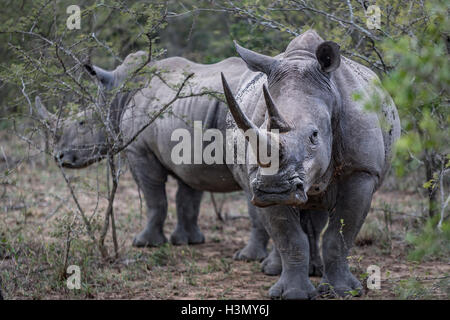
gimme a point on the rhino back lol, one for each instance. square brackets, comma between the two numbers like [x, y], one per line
[183, 112]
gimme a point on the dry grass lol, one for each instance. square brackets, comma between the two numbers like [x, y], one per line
[36, 209]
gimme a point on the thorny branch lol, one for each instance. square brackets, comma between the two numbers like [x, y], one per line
[114, 141]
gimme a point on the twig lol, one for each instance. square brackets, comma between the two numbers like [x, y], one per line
[80, 209]
[106, 47]
[155, 116]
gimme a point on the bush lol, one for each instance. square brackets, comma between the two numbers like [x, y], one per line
[429, 243]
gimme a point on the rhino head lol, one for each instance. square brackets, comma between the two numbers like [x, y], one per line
[300, 98]
[80, 140]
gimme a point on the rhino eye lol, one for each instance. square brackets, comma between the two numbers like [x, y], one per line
[81, 122]
[313, 137]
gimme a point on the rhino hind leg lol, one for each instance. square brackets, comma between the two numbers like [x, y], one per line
[353, 203]
[151, 178]
[255, 250]
[188, 207]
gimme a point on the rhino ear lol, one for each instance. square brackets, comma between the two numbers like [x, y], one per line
[255, 61]
[328, 55]
[105, 77]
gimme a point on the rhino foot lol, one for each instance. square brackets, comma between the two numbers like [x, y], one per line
[251, 252]
[292, 288]
[149, 239]
[340, 285]
[182, 237]
[271, 265]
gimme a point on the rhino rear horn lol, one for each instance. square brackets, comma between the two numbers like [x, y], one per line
[104, 76]
[255, 61]
[276, 120]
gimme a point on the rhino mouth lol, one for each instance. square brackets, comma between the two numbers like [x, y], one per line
[79, 163]
[290, 193]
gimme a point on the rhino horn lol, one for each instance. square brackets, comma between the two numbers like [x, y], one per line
[241, 119]
[276, 120]
[255, 61]
[42, 112]
[243, 122]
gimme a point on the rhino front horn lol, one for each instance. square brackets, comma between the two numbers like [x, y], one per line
[42, 112]
[244, 123]
[239, 116]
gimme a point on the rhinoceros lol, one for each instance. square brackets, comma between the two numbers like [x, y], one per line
[333, 156]
[81, 141]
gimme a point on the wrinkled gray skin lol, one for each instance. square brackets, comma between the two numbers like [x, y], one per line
[333, 157]
[80, 143]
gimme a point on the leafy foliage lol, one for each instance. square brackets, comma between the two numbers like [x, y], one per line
[429, 244]
[419, 86]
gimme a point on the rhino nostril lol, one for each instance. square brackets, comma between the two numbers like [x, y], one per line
[300, 186]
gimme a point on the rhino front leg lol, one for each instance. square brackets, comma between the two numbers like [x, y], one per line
[256, 248]
[151, 178]
[353, 203]
[188, 207]
[312, 223]
[283, 225]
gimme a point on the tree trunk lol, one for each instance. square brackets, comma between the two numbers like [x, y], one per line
[431, 166]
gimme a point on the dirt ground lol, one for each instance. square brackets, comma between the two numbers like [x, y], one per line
[37, 211]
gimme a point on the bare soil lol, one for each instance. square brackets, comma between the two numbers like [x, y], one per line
[36, 210]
